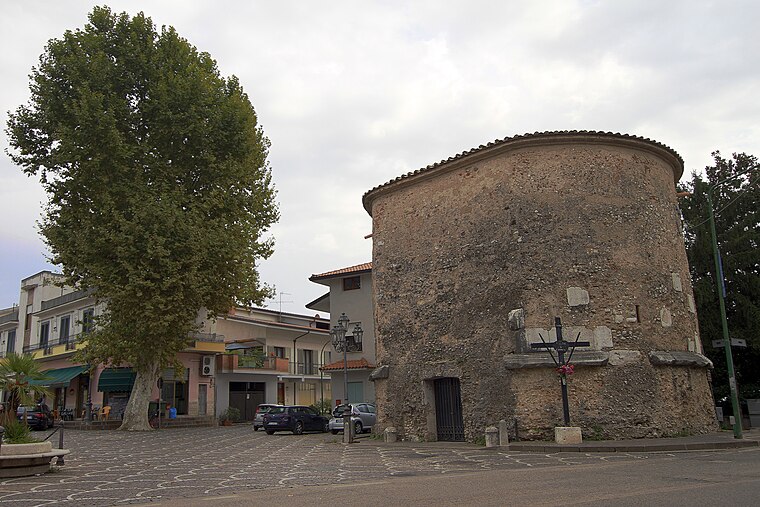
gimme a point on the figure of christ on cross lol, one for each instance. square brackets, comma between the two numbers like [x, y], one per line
[561, 346]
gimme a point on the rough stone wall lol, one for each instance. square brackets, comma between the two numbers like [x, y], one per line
[587, 231]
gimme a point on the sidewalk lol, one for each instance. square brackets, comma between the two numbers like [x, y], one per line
[720, 440]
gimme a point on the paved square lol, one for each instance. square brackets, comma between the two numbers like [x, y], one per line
[113, 467]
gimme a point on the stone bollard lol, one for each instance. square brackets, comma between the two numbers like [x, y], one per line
[389, 435]
[492, 437]
[568, 435]
[503, 433]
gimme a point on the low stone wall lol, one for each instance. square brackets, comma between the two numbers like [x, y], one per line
[21, 460]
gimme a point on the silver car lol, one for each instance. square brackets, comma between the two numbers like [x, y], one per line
[363, 417]
[258, 420]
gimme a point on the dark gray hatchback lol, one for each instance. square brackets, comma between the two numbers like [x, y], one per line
[295, 418]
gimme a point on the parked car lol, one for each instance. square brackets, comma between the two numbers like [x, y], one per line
[295, 418]
[258, 420]
[38, 416]
[363, 417]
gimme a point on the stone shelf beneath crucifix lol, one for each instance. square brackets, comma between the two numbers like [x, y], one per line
[543, 360]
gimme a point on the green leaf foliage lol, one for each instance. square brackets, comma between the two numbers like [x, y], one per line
[156, 170]
[16, 432]
[737, 220]
[20, 376]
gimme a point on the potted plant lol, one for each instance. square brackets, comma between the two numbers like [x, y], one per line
[229, 416]
[20, 453]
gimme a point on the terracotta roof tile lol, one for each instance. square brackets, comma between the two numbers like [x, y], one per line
[359, 268]
[521, 138]
[353, 364]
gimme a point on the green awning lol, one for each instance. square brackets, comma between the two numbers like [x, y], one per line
[60, 377]
[116, 380]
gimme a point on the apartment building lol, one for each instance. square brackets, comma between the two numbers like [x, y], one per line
[247, 357]
[271, 357]
[350, 292]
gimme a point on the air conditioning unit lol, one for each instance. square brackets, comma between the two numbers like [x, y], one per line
[207, 366]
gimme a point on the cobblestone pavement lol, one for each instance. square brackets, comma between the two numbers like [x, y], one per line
[112, 467]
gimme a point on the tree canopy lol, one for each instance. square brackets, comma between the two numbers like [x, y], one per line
[737, 220]
[160, 192]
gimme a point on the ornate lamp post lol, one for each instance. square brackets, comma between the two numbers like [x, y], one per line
[341, 343]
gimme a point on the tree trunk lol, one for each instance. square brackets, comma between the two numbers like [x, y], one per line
[136, 413]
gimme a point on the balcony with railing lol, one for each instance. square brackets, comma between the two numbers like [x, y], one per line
[9, 317]
[208, 343]
[241, 363]
[66, 298]
[55, 347]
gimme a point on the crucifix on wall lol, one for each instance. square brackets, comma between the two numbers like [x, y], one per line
[561, 346]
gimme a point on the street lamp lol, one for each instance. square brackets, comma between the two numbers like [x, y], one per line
[720, 282]
[342, 343]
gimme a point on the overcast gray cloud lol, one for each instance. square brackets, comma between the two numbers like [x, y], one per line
[353, 94]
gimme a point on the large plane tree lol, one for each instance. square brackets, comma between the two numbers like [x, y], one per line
[160, 193]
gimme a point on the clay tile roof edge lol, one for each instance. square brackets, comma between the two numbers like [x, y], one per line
[353, 364]
[547, 136]
[359, 268]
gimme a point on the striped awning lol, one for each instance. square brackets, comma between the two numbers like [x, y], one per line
[116, 380]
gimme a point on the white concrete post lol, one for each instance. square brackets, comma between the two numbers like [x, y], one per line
[503, 433]
[492, 437]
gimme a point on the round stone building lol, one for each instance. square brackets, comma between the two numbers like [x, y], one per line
[475, 256]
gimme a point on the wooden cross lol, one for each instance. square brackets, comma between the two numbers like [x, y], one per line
[561, 346]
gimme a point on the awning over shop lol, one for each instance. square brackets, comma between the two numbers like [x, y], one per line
[116, 380]
[60, 377]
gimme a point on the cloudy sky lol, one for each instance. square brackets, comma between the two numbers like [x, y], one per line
[353, 94]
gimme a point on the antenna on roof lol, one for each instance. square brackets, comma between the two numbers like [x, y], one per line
[280, 301]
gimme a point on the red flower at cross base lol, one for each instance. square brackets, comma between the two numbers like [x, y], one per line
[566, 369]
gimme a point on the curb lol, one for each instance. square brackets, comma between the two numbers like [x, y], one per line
[627, 447]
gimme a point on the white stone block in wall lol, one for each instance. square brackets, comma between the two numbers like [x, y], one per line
[666, 319]
[517, 319]
[602, 338]
[698, 341]
[532, 335]
[570, 333]
[692, 306]
[677, 282]
[621, 357]
[577, 296]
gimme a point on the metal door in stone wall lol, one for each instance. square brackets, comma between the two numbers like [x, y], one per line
[448, 410]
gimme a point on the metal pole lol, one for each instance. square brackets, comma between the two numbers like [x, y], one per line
[345, 372]
[563, 381]
[88, 404]
[60, 445]
[724, 320]
[562, 376]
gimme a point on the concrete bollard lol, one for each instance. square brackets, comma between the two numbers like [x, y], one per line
[492, 437]
[503, 433]
[568, 435]
[389, 435]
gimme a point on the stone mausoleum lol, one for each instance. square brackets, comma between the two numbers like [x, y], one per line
[476, 255]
